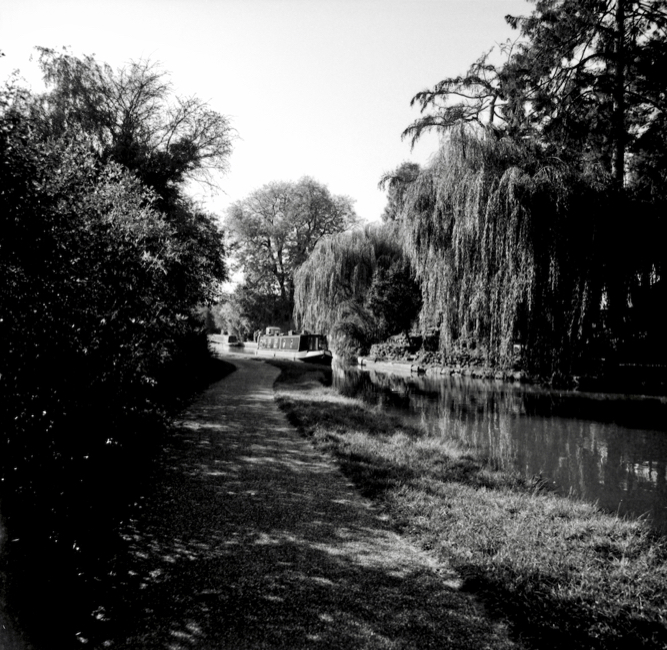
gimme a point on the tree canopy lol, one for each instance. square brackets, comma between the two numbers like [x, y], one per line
[500, 238]
[357, 287]
[511, 228]
[584, 77]
[131, 115]
[273, 231]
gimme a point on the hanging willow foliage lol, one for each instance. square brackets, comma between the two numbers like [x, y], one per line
[335, 289]
[500, 237]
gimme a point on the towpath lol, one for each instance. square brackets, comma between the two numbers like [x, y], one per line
[253, 539]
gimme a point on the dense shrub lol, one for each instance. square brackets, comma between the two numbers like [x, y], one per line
[97, 315]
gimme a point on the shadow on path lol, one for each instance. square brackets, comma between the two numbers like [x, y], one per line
[251, 539]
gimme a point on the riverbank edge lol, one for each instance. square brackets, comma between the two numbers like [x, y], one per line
[414, 366]
[638, 385]
[560, 570]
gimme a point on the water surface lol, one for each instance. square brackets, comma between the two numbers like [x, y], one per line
[609, 449]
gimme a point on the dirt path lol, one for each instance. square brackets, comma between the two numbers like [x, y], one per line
[252, 539]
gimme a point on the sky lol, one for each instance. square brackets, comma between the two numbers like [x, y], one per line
[317, 88]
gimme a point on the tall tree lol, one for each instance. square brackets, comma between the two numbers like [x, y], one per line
[592, 72]
[273, 231]
[358, 288]
[132, 116]
[584, 77]
[586, 70]
[581, 93]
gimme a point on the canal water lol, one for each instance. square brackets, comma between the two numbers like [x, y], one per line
[605, 448]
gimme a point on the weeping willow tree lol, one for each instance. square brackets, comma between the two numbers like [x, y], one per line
[501, 239]
[357, 287]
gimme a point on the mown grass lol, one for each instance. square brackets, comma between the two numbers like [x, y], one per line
[562, 572]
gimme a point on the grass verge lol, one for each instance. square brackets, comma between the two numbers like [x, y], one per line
[563, 573]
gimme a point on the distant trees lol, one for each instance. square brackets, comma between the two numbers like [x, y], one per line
[358, 288]
[272, 233]
[229, 315]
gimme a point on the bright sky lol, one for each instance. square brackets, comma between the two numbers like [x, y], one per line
[313, 87]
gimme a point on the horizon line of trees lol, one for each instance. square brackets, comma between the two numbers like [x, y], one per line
[541, 220]
[270, 235]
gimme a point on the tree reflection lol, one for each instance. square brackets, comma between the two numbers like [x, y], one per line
[610, 449]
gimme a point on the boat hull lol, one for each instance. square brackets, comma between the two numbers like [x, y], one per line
[311, 348]
[318, 356]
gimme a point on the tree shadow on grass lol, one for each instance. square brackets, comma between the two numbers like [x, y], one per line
[551, 623]
[251, 541]
[537, 616]
[60, 548]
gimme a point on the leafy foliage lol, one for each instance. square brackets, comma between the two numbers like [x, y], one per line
[397, 182]
[480, 97]
[131, 115]
[357, 287]
[230, 315]
[273, 231]
[584, 78]
[102, 278]
[500, 238]
[510, 230]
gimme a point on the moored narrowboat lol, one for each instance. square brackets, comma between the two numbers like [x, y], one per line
[300, 346]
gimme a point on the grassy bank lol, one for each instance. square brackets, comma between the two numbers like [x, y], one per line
[563, 573]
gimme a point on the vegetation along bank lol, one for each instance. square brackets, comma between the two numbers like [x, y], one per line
[560, 571]
[105, 262]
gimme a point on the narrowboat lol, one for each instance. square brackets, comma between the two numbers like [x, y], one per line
[296, 346]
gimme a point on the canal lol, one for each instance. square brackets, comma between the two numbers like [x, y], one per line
[606, 448]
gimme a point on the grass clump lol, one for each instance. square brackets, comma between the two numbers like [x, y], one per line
[562, 572]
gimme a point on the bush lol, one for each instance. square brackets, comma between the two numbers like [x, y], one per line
[97, 316]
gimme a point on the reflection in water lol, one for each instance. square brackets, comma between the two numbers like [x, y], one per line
[605, 448]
